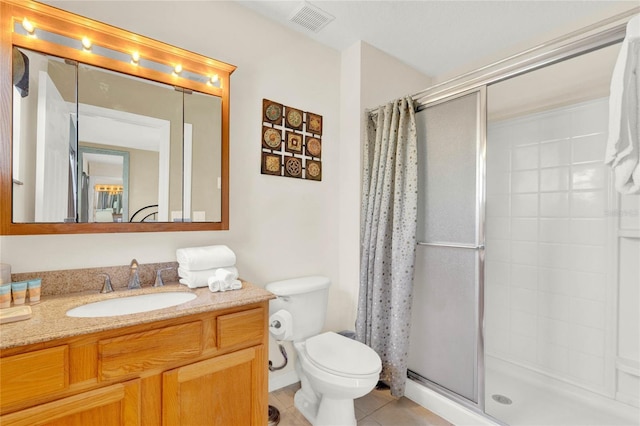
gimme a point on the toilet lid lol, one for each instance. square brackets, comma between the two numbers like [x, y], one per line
[341, 355]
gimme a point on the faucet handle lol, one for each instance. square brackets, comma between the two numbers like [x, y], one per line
[134, 275]
[106, 287]
[159, 282]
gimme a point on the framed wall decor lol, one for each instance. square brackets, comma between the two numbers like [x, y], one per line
[291, 142]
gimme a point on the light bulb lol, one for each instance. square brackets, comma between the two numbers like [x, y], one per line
[177, 69]
[86, 43]
[28, 26]
[135, 58]
[214, 79]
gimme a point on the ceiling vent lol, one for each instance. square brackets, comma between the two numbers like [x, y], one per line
[310, 17]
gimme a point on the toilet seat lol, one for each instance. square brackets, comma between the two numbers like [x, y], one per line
[342, 356]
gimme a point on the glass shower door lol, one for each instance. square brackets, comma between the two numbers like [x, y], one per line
[445, 333]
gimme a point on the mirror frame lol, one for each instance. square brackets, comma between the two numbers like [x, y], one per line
[61, 22]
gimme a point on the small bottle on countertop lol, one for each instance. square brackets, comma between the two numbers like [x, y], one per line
[19, 292]
[33, 286]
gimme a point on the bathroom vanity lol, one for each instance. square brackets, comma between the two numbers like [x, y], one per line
[201, 362]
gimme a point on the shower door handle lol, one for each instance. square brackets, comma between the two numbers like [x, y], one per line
[453, 245]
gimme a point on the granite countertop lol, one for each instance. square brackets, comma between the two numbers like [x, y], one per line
[49, 321]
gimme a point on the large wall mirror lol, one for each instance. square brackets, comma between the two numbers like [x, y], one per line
[107, 131]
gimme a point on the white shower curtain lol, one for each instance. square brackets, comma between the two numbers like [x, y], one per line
[388, 237]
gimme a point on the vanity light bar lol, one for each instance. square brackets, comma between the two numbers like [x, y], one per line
[27, 28]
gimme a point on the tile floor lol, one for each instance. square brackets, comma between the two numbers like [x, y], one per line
[378, 408]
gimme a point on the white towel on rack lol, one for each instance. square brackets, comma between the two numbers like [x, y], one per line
[623, 144]
[203, 258]
[194, 279]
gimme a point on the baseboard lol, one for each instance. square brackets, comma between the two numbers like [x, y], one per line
[277, 381]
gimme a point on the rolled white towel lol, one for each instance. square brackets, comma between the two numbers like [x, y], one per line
[203, 258]
[194, 279]
[215, 285]
[224, 280]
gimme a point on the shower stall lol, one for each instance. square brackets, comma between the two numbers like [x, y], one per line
[527, 280]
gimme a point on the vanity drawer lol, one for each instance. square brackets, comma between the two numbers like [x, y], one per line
[148, 350]
[241, 328]
[33, 374]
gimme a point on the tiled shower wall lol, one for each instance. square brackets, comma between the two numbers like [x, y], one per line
[547, 305]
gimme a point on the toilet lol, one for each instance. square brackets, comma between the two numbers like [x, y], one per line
[333, 369]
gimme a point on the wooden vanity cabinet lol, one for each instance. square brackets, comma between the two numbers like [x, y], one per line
[199, 369]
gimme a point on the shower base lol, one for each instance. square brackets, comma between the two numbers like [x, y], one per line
[540, 400]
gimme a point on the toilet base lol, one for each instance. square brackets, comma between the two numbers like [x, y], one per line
[328, 412]
[307, 406]
[335, 412]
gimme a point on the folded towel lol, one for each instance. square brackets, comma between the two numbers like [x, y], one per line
[186, 273]
[623, 144]
[194, 279]
[203, 258]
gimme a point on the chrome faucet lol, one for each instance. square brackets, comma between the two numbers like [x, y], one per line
[134, 276]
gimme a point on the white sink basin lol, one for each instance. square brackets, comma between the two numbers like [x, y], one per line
[131, 304]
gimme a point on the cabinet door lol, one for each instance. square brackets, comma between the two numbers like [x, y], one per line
[222, 391]
[113, 405]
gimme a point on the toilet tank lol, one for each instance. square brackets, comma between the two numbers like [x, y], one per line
[305, 298]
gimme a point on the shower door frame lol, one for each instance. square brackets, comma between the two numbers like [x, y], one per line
[478, 247]
[596, 36]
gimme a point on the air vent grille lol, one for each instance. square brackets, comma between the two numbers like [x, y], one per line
[311, 17]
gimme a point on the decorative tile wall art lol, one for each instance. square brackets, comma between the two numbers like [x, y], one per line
[291, 142]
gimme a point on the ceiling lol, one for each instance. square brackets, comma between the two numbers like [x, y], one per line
[423, 34]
